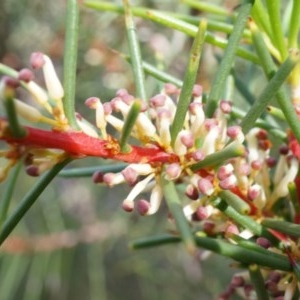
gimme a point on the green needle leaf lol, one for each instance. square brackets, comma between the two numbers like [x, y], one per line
[270, 68]
[135, 53]
[8, 192]
[294, 25]
[258, 282]
[154, 241]
[234, 149]
[70, 62]
[28, 200]
[174, 204]
[16, 130]
[128, 125]
[188, 83]
[277, 37]
[269, 91]
[283, 226]
[236, 202]
[89, 171]
[228, 58]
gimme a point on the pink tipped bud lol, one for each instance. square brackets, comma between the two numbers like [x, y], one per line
[107, 108]
[263, 242]
[256, 165]
[205, 186]
[262, 134]
[197, 90]
[208, 227]
[228, 183]
[173, 171]
[235, 133]
[202, 213]
[187, 139]
[284, 150]
[125, 96]
[210, 123]
[128, 205]
[158, 100]
[271, 162]
[92, 102]
[11, 82]
[225, 171]
[98, 177]
[244, 169]
[198, 155]
[143, 207]
[254, 192]
[194, 107]
[232, 229]
[191, 192]
[37, 60]
[144, 107]
[171, 89]
[112, 179]
[237, 281]
[25, 75]
[226, 106]
[130, 175]
[121, 93]
[33, 171]
[274, 276]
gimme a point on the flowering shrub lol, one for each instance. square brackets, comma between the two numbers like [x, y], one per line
[229, 187]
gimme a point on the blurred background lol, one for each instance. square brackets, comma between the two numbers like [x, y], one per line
[73, 243]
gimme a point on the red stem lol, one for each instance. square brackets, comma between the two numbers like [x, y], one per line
[79, 144]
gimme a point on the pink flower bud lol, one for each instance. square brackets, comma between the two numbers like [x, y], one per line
[92, 102]
[284, 150]
[143, 207]
[228, 183]
[107, 108]
[130, 175]
[197, 90]
[128, 205]
[173, 171]
[205, 186]
[194, 107]
[112, 179]
[37, 60]
[11, 82]
[237, 281]
[158, 100]
[33, 171]
[98, 177]
[232, 229]
[191, 192]
[263, 242]
[235, 133]
[198, 155]
[202, 213]
[271, 162]
[225, 106]
[187, 139]
[225, 171]
[171, 89]
[25, 75]
[254, 191]
[256, 165]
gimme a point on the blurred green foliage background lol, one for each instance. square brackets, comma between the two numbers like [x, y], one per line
[73, 244]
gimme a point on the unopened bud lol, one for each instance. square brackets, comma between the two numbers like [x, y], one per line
[37, 60]
[143, 207]
[25, 75]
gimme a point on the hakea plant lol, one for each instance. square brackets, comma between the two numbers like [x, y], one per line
[177, 145]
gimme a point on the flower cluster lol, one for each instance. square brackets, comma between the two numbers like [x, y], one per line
[209, 159]
[194, 159]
